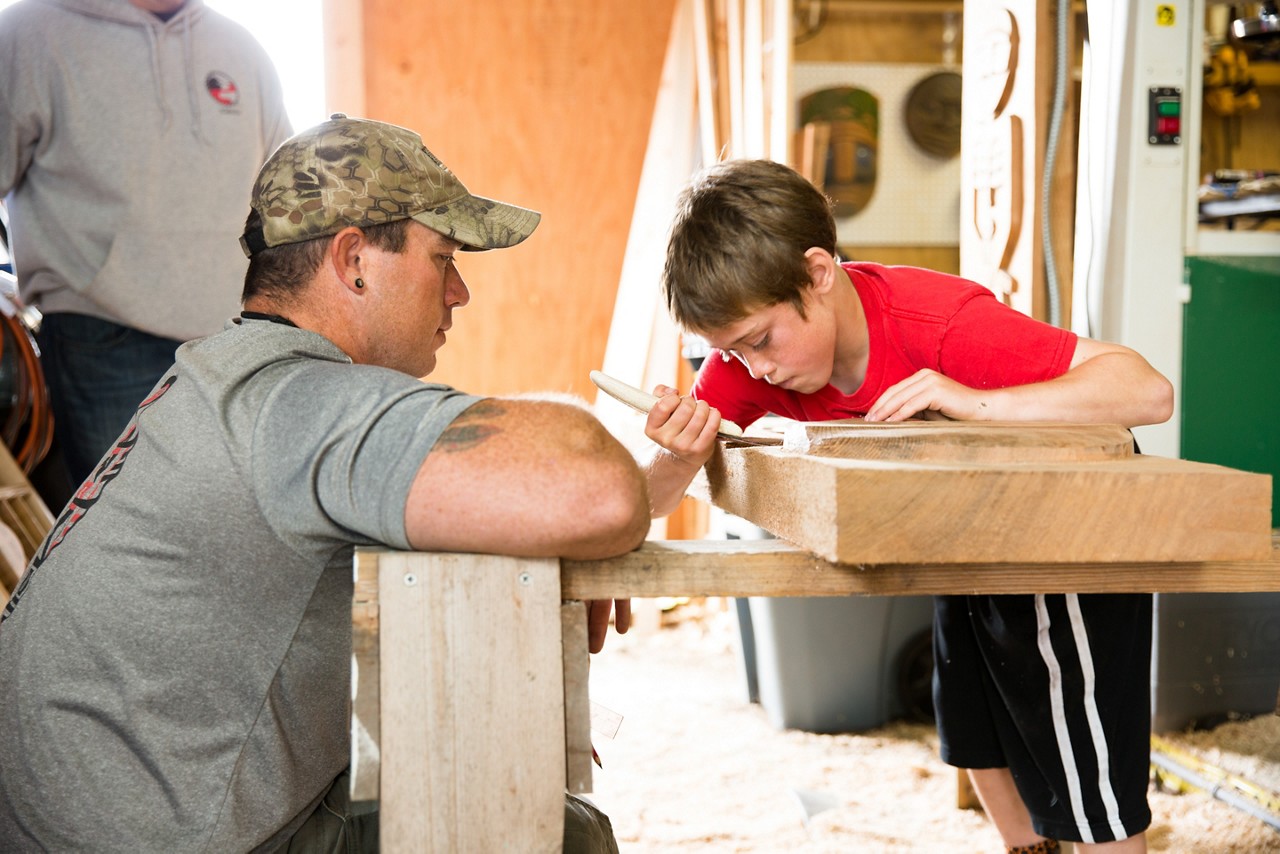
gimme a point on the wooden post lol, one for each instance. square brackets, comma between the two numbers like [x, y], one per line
[966, 794]
[472, 712]
[577, 703]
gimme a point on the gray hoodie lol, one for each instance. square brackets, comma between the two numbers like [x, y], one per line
[128, 148]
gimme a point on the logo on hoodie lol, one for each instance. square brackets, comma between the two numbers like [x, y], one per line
[222, 88]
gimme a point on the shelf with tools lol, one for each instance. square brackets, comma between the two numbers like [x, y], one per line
[1238, 196]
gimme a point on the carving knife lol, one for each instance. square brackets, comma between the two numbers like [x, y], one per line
[642, 401]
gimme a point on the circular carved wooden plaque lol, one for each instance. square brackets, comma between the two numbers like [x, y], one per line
[933, 114]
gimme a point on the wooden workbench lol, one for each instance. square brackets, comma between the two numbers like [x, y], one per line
[470, 714]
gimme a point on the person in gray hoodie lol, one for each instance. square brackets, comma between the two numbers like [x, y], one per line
[130, 135]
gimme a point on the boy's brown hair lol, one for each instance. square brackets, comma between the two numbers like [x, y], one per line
[738, 241]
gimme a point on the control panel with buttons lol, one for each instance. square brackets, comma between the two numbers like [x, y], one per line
[1164, 115]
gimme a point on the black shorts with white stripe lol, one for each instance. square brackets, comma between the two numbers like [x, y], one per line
[1056, 688]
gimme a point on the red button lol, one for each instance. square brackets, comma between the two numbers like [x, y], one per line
[1168, 126]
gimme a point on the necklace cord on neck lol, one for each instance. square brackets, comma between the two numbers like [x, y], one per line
[274, 318]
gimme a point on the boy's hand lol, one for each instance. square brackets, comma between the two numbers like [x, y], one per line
[929, 395]
[683, 426]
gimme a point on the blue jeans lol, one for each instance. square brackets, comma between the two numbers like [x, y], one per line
[97, 372]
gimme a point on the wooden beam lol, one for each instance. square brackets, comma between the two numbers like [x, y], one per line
[734, 80]
[754, 137]
[777, 568]
[779, 103]
[708, 121]
[344, 57]
[643, 347]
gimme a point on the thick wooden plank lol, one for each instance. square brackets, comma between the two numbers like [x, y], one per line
[873, 511]
[777, 568]
[472, 712]
[577, 702]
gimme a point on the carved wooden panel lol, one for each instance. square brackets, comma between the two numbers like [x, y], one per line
[999, 162]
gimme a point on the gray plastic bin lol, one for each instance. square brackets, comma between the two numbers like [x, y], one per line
[1213, 655]
[842, 663]
[834, 663]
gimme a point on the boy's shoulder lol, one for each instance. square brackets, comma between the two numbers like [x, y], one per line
[896, 286]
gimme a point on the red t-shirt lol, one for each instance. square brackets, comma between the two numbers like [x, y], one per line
[916, 319]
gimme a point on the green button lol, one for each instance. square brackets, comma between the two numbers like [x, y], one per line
[1168, 108]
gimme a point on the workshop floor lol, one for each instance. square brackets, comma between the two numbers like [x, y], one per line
[694, 767]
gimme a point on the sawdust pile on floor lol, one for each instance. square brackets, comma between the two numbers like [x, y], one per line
[694, 767]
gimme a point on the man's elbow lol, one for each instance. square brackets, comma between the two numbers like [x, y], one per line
[621, 513]
[610, 494]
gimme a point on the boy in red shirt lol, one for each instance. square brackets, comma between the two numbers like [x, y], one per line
[1044, 698]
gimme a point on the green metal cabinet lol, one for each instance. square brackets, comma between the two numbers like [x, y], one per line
[1231, 365]
[1215, 655]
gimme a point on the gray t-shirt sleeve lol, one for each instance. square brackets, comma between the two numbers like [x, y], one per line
[342, 444]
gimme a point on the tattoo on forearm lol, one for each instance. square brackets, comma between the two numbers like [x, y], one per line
[469, 429]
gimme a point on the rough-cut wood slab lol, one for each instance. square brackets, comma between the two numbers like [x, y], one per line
[1109, 506]
[778, 568]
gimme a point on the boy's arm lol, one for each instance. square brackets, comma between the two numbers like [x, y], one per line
[685, 431]
[1105, 383]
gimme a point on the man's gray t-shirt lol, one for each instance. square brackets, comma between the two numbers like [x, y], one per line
[175, 668]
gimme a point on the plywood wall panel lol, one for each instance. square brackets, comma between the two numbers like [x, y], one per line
[546, 103]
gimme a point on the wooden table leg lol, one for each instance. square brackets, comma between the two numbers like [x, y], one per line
[966, 794]
[577, 702]
[472, 703]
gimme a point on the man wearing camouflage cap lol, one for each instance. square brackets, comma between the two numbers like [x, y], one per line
[182, 637]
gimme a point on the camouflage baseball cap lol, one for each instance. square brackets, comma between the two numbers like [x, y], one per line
[347, 172]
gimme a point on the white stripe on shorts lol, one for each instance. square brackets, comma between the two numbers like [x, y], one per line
[1057, 706]
[1105, 791]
